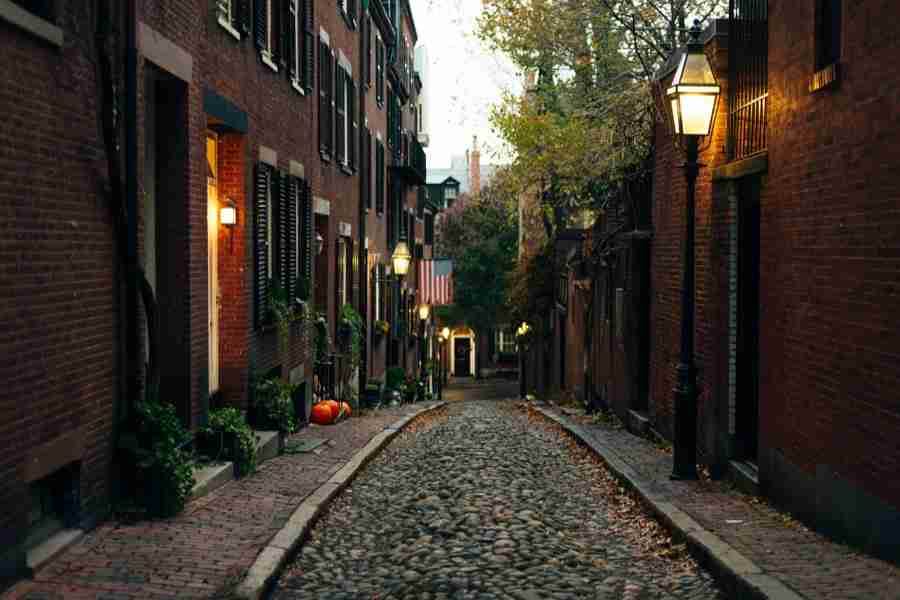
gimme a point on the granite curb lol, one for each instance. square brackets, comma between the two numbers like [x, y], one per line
[735, 572]
[273, 557]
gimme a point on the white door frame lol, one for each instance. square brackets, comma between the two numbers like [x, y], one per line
[212, 213]
[472, 347]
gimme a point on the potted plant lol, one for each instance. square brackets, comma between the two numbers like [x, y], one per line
[228, 428]
[372, 394]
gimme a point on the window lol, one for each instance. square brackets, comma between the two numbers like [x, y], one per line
[450, 193]
[342, 272]
[267, 38]
[429, 229]
[506, 341]
[379, 176]
[309, 40]
[368, 40]
[379, 71]
[376, 296]
[348, 11]
[326, 130]
[234, 17]
[264, 239]
[828, 33]
[341, 115]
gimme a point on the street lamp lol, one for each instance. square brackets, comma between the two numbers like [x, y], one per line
[445, 336]
[401, 259]
[521, 341]
[693, 97]
[424, 311]
[440, 373]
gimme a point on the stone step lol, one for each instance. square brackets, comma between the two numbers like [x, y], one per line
[212, 477]
[42, 553]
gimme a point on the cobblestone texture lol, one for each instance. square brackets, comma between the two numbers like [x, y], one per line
[483, 503]
[210, 545]
[810, 564]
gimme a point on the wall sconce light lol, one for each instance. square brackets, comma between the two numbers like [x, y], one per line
[228, 213]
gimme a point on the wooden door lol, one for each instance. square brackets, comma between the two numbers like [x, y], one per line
[462, 357]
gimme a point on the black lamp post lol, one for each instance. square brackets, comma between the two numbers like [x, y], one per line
[424, 312]
[522, 342]
[692, 95]
[400, 261]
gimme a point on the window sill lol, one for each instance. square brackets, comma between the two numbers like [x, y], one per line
[826, 77]
[31, 23]
[297, 87]
[326, 157]
[224, 24]
[267, 60]
[346, 170]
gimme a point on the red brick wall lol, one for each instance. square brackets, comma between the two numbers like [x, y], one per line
[831, 251]
[58, 295]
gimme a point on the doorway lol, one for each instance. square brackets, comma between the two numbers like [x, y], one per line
[747, 392]
[462, 353]
[212, 217]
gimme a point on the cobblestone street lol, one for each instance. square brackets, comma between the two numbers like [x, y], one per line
[480, 501]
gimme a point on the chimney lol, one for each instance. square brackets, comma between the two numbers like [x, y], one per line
[475, 168]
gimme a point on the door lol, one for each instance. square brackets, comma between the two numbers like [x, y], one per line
[212, 203]
[463, 350]
[747, 396]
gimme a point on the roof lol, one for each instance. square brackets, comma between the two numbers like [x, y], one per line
[460, 173]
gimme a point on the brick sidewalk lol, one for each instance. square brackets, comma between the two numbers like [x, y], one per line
[808, 563]
[213, 542]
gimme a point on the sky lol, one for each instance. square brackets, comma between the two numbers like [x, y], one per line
[465, 78]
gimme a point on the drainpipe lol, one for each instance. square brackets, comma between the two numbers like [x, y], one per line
[131, 193]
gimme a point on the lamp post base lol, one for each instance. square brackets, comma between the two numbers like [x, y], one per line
[684, 450]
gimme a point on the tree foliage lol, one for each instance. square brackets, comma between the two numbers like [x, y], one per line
[585, 121]
[480, 235]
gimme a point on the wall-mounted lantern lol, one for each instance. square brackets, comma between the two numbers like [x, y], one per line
[401, 259]
[320, 244]
[228, 213]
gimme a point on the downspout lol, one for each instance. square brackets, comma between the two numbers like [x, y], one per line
[131, 194]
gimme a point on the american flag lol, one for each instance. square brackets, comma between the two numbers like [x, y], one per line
[436, 281]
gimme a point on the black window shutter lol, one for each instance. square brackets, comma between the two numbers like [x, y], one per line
[240, 16]
[324, 109]
[369, 36]
[354, 129]
[309, 42]
[379, 177]
[340, 83]
[279, 33]
[260, 247]
[333, 82]
[293, 258]
[429, 229]
[261, 24]
[309, 235]
[292, 39]
[281, 192]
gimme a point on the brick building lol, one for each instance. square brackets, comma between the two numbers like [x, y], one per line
[276, 112]
[797, 262]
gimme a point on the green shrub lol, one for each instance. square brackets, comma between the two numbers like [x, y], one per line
[226, 421]
[274, 400]
[164, 458]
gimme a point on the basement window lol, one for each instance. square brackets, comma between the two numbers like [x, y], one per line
[53, 504]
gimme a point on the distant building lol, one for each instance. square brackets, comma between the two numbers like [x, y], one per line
[467, 169]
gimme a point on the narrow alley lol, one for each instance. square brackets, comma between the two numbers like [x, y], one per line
[481, 501]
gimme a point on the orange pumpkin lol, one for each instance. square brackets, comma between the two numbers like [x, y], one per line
[335, 409]
[321, 414]
[346, 407]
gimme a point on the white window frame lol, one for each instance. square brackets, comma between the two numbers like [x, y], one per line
[226, 16]
[346, 102]
[450, 193]
[506, 339]
[298, 50]
[270, 36]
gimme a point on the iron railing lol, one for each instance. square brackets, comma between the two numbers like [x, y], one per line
[325, 381]
[747, 78]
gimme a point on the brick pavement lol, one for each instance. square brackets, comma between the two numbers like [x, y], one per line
[805, 561]
[209, 546]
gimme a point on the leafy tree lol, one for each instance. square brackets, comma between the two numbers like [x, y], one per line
[480, 235]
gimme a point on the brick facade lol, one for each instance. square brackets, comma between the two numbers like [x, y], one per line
[195, 78]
